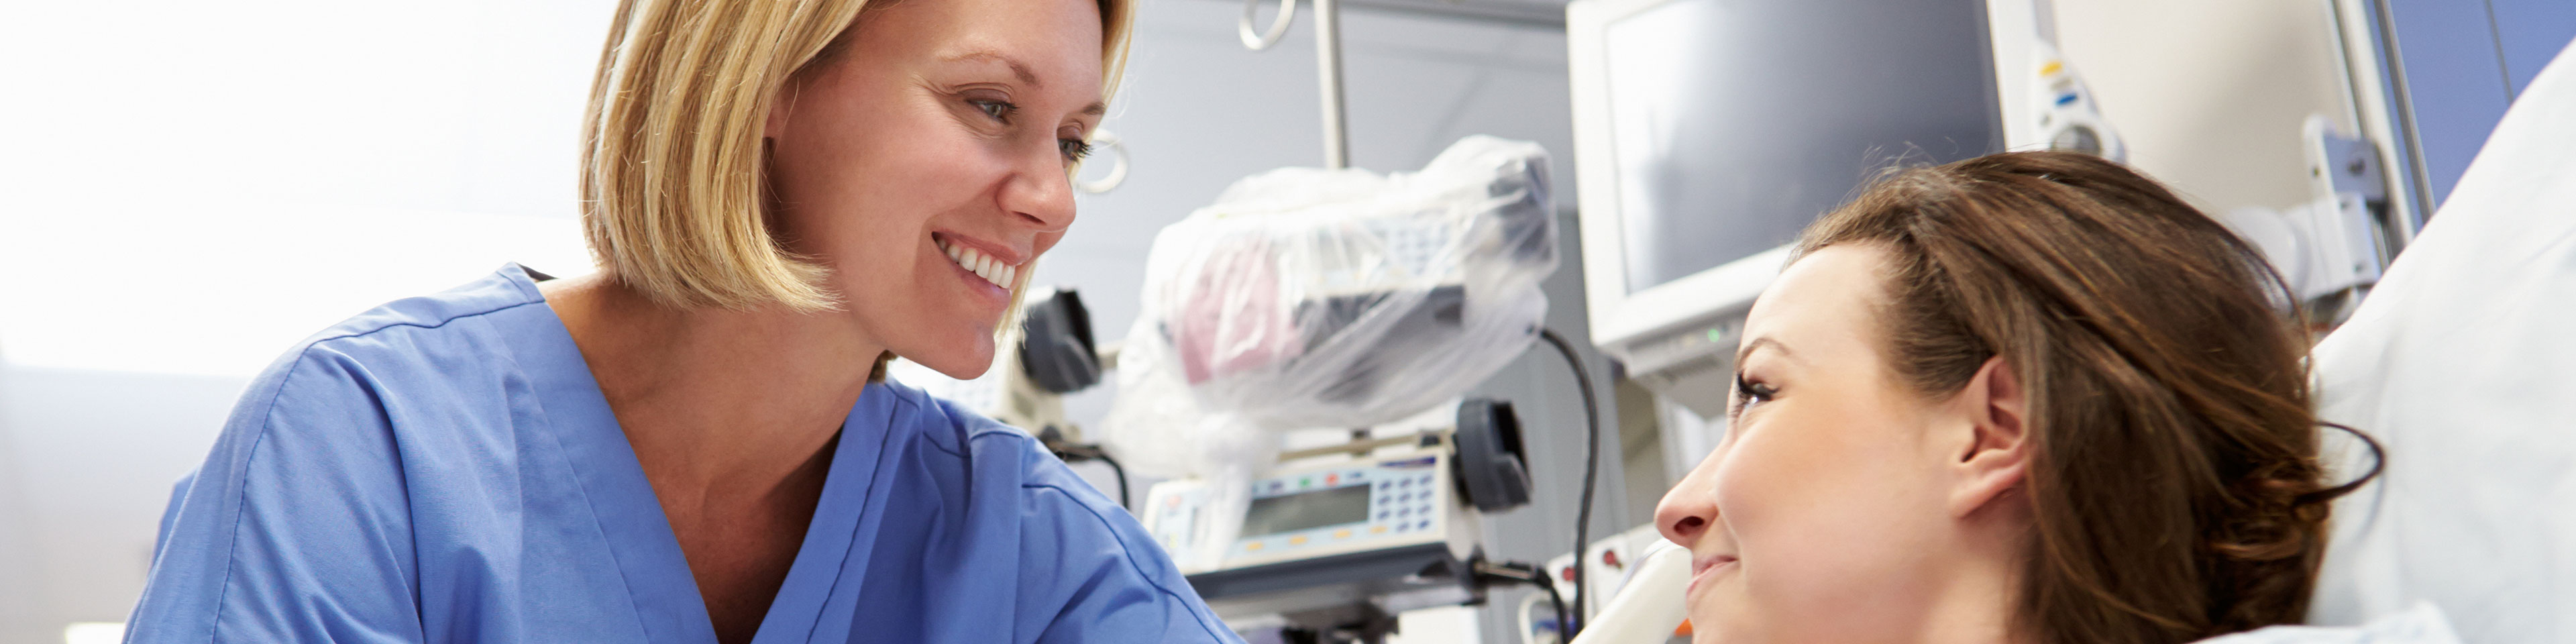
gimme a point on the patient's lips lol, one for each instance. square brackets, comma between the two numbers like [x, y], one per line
[1706, 567]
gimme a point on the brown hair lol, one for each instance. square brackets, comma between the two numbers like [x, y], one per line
[2174, 483]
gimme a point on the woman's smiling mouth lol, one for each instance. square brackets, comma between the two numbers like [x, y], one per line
[981, 264]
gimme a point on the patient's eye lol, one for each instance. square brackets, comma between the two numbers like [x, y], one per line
[1749, 393]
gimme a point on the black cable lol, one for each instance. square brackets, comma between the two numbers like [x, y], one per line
[1556, 601]
[1072, 452]
[1591, 471]
[1103, 455]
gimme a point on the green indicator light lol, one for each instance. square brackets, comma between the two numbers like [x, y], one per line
[1714, 334]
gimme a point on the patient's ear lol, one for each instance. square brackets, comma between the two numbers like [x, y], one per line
[1995, 459]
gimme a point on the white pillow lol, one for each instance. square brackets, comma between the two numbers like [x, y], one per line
[2418, 624]
[2463, 364]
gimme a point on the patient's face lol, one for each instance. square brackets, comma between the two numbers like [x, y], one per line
[1820, 516]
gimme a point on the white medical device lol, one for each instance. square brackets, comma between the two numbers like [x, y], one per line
[1709, 132]
[1649, 603]
[1389, 521]
[1397, 500]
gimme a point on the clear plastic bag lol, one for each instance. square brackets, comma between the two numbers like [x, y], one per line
[1331, 298]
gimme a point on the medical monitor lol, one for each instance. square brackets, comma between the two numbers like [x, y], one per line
[1708, 133]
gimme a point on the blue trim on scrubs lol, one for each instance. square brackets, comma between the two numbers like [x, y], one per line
[445, 469]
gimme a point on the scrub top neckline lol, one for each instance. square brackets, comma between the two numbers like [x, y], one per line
[630, 517]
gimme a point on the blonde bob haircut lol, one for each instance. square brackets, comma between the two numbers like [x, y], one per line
[671, 167]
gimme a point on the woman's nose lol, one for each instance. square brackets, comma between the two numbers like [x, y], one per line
[1040, 192]
[1690, 508]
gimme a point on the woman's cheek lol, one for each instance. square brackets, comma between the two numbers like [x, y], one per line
[1773, 503]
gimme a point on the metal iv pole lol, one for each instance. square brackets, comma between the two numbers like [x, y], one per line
[1328, 65]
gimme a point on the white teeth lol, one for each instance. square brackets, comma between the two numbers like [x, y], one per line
[982, 265]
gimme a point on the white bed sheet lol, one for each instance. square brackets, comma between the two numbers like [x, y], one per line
[2463, 364]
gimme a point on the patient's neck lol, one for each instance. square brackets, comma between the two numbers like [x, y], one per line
[1979, 601]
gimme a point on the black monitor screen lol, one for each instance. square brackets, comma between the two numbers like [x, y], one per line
[1737, 122]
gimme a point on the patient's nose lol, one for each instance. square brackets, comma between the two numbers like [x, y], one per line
[1690, 507]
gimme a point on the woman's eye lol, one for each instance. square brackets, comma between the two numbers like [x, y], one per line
[999, 110]
[1074, 149]
[1749, 393]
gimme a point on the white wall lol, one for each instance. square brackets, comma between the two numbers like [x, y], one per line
[19, 593]
[190, 188]
[99, 453]
[2210, 95]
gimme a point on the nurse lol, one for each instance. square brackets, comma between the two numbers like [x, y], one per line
[697, 444]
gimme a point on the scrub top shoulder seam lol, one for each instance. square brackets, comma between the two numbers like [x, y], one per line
[267, 423]
[241, 502]
[302, 352]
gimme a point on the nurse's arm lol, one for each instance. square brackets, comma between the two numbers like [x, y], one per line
[1114, 583]
[296, 528]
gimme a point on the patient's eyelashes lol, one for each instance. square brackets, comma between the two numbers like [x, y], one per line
[1749, 393]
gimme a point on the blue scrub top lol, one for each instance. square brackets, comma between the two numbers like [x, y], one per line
[444, 469]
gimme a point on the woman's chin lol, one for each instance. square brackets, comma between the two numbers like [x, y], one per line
[967, 362]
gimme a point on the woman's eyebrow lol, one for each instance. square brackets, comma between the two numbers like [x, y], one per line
[1756, 343]
[1017, 69]
[1020, 71]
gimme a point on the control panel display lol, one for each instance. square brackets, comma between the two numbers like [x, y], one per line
[1392, 501]
[1293, 512]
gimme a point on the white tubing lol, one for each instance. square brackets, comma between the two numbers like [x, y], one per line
[1649, 606]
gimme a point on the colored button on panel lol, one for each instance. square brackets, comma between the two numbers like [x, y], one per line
[1251, 547]
[1344, 533]
[1298, 540]
[1377, 529]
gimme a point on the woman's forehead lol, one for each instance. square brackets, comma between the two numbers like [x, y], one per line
[1021, 28]
[1054, 45]
[1824, 305]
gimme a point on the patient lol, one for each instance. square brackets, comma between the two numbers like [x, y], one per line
[2028, 397]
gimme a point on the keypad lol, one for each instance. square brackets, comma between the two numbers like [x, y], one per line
[1406, 502]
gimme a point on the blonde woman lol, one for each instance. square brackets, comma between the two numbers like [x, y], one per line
[696, 444]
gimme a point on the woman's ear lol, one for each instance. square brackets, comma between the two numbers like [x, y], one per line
[781, 106]
[1996, 459]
